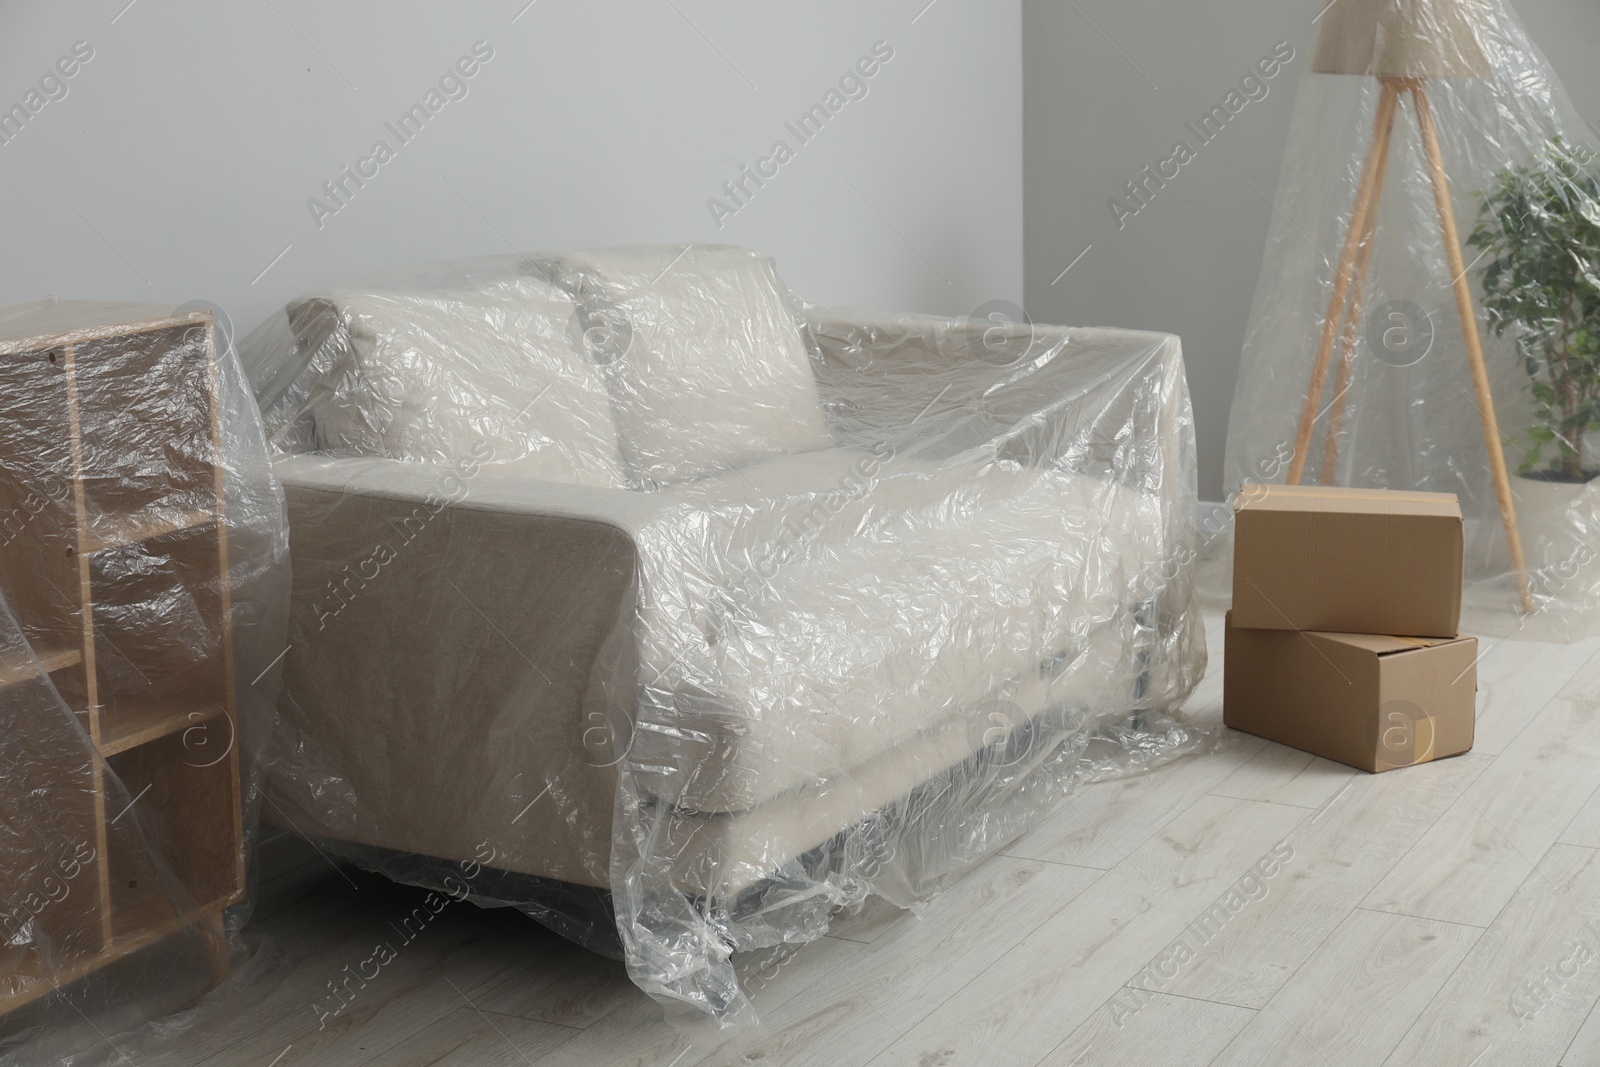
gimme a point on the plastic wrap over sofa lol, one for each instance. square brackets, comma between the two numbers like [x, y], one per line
[681, 614]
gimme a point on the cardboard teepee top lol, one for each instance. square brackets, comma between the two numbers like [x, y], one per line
[1403, 39]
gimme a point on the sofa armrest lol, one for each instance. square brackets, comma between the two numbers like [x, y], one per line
[1039, 394]
[1109, 404]
[469, 486]
[467, 613]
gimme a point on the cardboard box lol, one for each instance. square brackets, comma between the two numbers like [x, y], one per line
[1373, 702]
[1352, 560]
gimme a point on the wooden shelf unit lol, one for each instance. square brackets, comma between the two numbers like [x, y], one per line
[50, 660]
[114, 559]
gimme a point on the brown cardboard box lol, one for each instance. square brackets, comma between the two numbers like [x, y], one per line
[1352, 560]
[1373, 702]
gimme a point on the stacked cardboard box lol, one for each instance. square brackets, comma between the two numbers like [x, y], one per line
[1343, 636]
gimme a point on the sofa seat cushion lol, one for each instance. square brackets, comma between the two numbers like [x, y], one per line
[484, 375]
[798, 638]
[705, 361]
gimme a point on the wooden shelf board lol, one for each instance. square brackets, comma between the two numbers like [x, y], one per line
[52, 324]
[16, 670]
[144, 528]
[116, 949]
[132, 725]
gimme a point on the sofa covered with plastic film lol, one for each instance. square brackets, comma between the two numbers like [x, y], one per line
[143, 601]
[634, 593]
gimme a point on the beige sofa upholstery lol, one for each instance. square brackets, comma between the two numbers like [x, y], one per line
[435, 739]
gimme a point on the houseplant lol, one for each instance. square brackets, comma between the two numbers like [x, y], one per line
[1539, 230]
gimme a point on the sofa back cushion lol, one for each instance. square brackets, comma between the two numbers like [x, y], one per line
[484, 374]
[704, 359]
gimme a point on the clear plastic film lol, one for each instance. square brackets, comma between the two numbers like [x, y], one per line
[143, 602]
[1437, 173]
[638, 595]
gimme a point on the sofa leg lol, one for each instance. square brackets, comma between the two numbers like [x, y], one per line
[1144, 622]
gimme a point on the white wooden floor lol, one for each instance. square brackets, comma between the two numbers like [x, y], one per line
[1251, 906]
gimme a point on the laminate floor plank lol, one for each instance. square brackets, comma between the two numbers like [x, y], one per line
[1244, 954]
[1020, 1008]
[1355, 997]
[874, 996]
[577, 992]
[1525, 989]
[870, 921]
[306, 956]
[900, 1054]
[392, 966]
[1584, 829]
[1585, 1048]
[1585, 682]
[635, 1035]
[1472, 860]
[1107, 821]
[1165, 1030]
[825, 1025]
[1516, 679]
[1283, 775]
[915, 968]
[469, 1038]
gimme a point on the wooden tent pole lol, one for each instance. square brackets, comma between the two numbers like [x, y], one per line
[1352, 326]
[1379, 147]
[1469, 331]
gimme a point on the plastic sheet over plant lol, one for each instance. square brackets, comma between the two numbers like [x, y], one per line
[143, 601]
[633, 593]
[1398, 406]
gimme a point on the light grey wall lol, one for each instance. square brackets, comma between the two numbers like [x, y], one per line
[1109, 85]
[179, 163]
